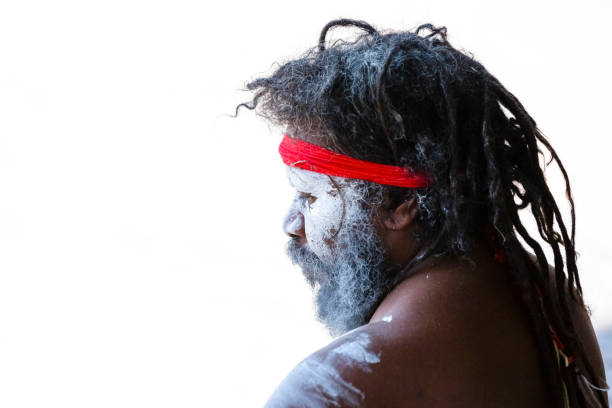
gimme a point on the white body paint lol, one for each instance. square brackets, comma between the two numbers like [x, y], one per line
[316, 383]
[356, 352]
[388, 318]
[323, 217]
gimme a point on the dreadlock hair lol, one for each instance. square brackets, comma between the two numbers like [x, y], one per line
[411, 99]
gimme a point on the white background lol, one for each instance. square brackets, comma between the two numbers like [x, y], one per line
[141, 251]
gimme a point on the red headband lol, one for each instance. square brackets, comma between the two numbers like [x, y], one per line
[297, 153]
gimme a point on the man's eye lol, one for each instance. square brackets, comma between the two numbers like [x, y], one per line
[310, 199]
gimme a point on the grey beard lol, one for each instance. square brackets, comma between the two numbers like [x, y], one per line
[348, 290]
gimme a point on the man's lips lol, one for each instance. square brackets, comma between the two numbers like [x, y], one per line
[301, 244]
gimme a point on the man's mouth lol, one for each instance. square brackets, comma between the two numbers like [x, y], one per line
[300, 245]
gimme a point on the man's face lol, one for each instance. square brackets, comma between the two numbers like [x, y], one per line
[335, 243]
[317, 208]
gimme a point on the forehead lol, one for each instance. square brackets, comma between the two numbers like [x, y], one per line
[305, 180]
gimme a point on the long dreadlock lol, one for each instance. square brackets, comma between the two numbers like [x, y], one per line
[413, 100]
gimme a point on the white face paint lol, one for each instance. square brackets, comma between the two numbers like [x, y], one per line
[321, 205]
[333, 225]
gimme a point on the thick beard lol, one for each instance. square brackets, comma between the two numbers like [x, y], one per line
[348, 290]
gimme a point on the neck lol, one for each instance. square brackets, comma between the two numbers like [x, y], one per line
[481, 257]
[481, 253]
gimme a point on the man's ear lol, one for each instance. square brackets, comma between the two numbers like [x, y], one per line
[399, 218]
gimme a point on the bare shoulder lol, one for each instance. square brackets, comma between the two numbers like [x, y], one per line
[345, 373]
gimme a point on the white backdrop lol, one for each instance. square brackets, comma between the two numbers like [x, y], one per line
[141, 251]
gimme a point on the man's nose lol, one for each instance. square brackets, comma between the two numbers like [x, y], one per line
[293, 224]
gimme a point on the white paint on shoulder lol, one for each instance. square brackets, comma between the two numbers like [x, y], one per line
[356, 353]
[316, 382]
[387, 318]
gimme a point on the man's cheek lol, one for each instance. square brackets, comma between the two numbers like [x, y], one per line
[315, 236]
[323, 222]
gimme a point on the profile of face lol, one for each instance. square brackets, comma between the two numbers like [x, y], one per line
[335, 242]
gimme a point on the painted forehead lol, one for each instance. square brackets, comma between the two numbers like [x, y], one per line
[309, 181]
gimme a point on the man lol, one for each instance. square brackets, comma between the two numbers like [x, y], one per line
[410, 163]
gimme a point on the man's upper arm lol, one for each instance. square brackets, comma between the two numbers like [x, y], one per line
[341, 374]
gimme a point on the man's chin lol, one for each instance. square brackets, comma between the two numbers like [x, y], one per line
[310, 277]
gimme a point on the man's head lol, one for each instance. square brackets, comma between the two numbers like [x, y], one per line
[399, 99]
[346, 241]
[411, 99]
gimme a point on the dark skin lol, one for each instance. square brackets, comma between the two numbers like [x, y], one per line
[459, 336]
